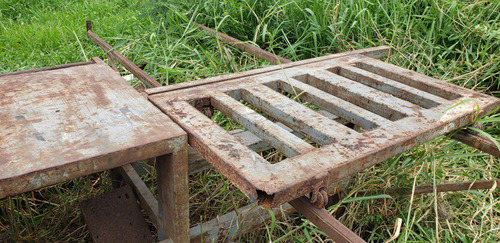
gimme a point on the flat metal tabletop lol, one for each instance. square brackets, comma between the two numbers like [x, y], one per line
[60, 123]
[395, 109]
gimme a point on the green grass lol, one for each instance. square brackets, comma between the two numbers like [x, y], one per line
[456, 41]
[452, 40]
[42, 33]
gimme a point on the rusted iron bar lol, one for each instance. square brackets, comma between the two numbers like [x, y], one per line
[173, 194]
[367, 98]
[413, 79]
[447, 187]
[268, 56]
[355, 114]
[477, 141]
[139, 73]
[319, 128]
[384, 84]
[325, 221]
[472, 140]
[373, 52]
[197, 163]
[278, 137]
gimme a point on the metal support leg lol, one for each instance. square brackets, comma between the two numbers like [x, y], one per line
[173, 195]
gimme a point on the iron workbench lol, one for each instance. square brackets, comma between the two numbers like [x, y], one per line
[60, 123]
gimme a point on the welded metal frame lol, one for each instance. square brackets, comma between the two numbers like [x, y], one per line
[399, 126]
[398, 108]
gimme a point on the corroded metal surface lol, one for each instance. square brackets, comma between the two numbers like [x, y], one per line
[115, 217]
[61, 123]
[325, 221]
[397, 110]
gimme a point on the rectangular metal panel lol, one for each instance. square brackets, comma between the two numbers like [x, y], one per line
[398, 109]
[57, 124]
[115, 217]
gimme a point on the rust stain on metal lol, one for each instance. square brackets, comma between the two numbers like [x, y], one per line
[233, 153]
[397, 108]
[115, 217]
[85, 120]
[100, 98]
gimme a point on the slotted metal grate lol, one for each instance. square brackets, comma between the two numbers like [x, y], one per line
[395, 109]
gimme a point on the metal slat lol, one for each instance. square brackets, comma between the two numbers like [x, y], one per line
[359, 116]
[276, 136]
[396, 89]
[369, 98]
[244, 167]
[315, 126]
[230, 226]
[411, 78]
[197, 163]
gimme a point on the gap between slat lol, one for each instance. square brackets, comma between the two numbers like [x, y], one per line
[352, 113]
[376, 101]
[315, 126]
[279, 138]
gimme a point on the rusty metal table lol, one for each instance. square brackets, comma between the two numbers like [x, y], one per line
[63, 122]
[396, 110]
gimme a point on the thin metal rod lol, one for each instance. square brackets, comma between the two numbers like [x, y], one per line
[447, 187]
[139, 73]
[325, 221]
[477, 141]
[256, 51]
